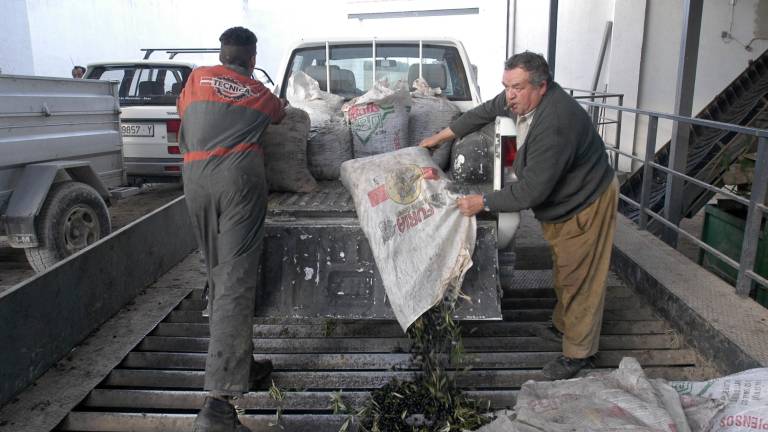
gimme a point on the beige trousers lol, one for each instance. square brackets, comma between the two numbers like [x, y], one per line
[581, 255]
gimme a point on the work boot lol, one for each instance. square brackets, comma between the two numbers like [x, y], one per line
[260, 370]
[564, 367]
[218, 416]
[548, 333]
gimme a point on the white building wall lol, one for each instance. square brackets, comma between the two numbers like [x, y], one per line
[84, 31]
[623, 67]
[15, 46]
[63, 32]
[531, 26]
[580, 27]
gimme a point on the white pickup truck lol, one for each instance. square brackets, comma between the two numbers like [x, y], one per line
[317, 229]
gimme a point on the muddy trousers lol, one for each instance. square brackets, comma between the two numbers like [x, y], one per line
[581, 255]
[228, 207]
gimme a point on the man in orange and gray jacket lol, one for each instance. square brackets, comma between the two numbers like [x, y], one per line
[224, 112]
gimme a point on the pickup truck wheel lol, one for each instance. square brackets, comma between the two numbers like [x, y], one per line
[73, 216]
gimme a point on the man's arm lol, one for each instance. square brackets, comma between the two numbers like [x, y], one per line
[480, 116]
[438, 138]
[470, 121]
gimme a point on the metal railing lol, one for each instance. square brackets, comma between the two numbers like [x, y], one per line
[756, 204]
[598, 115]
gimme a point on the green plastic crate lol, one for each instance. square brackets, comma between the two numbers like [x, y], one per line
[724, 231]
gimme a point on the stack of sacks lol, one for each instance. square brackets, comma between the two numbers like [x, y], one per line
[330, 142]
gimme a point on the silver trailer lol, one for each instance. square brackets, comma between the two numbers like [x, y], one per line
[60, 151]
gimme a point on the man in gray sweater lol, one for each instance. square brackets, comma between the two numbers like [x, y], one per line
[565, 178]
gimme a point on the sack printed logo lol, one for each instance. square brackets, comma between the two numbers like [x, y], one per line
[366, 120]
[226, 87]
[402, 186]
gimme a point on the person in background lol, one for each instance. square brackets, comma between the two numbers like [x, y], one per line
[78, 72]
[565, 178]
[223, 114]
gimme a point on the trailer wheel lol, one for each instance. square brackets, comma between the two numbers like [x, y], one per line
[73, 216]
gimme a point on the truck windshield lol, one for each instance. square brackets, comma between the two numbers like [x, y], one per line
[351, 67]
[144, 85]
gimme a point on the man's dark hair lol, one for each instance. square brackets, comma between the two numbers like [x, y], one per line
[238, 45]
[79, 67]
[533, 63]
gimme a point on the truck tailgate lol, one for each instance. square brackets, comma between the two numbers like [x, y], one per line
[318, 263]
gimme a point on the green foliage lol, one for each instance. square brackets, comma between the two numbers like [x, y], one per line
[329, 326]
[278, 395]
[432, 402]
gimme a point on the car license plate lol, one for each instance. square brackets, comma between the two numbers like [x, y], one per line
[137, 130]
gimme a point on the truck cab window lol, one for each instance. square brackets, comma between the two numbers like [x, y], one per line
[351, 67]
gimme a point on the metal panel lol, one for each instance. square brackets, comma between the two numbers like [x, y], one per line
[609, 357]
[324, 267]
[42, 319]
[46, 119]
[26, 201]
[312, 380]
[397, 345]
[376, 328]
[686, 78]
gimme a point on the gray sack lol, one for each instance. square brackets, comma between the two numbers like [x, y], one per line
[429, 115]
[330, 141]
[472, 157]
[285, 153]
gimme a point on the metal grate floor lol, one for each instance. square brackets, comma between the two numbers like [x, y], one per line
[158, 386]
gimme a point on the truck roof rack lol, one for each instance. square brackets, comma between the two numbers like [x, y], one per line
[173, 51]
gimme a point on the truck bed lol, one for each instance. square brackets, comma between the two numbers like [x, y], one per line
[330, 200]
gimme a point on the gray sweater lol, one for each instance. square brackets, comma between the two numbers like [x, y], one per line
[563, 166]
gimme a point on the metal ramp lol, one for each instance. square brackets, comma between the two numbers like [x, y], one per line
[711, 151]
[158, 386]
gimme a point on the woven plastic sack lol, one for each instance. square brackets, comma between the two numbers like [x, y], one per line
[379, 120]
[422, 245]
[472, 157]
[430, 113]
[285, 153]
[330, 140]
[744, 394]
[621, 400]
